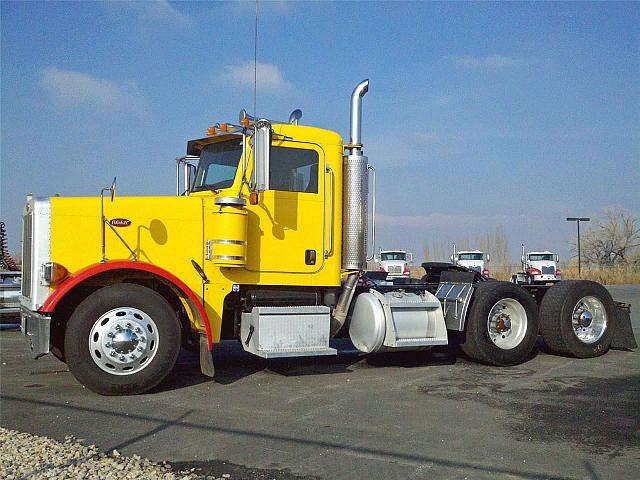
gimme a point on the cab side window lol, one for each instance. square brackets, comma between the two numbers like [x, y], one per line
[294, 170]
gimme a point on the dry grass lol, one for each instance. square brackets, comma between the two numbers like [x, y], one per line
[623, 275]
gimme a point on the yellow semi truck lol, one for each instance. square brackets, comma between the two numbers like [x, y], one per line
[266, 242]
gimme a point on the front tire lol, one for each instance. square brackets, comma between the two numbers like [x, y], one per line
[123, 339]
[577, 318]
[502, 324]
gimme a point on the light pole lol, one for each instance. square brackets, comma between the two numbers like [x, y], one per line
[578, 220]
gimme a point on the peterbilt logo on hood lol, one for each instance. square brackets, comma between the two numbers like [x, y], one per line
[120, 222]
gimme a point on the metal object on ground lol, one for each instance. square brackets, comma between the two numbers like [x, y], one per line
[272, 332]
[396, 320]
[10, 295]
[6, 261]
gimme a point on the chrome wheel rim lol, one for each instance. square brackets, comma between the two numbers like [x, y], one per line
[507, 323]
[589, 319]
[123, 341]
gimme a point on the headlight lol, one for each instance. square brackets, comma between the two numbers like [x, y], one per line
[53, 273]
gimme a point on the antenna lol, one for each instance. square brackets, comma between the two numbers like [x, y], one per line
[255, 62]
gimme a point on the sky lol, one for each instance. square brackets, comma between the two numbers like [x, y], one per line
[478, 114]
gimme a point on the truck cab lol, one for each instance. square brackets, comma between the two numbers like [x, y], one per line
[542, 267]
[396, 263]
[538, 268]
[473, 260]
[265, 243]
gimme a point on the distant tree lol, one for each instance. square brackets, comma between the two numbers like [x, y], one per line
[612, 240]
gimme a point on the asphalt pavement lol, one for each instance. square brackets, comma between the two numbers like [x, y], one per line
[402, 415]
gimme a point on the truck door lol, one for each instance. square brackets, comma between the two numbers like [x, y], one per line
[286, 230]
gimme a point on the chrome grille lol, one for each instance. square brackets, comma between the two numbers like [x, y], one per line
[395, 269]
[548, 270]
[27, 235]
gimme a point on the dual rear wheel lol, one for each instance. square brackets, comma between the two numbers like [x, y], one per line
[575, 318]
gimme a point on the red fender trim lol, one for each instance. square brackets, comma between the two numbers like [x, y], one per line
[86, 273]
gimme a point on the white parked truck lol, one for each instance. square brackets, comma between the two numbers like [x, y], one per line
[538, 268]
[397, 263]
[472, 259]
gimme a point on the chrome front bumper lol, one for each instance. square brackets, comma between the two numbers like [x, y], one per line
[36, 327]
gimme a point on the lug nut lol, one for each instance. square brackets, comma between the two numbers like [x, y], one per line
[118, 328]
[108, 344]
[132, 356]
[140, 349]
[110, 335]
[142, 339]
[138, 330]
[121, 358]
[112, 353]
[129, 326]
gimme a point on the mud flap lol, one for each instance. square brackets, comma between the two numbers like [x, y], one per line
[623, 338]
[206, 358]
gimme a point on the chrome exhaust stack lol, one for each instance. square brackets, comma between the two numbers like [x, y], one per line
[355, 173]
[356, 190]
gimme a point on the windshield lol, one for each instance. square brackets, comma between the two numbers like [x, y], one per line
[536, 257]
[470, 256]
[393, 256]
[218, 165]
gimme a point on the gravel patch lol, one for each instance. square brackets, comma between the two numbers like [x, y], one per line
[26, 456]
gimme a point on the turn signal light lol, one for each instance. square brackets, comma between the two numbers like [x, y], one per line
[534, 271]
[406, 271]
[485, 273]
[53, 273]
[558, 273]
[211, 131]
[224, 127]
[245, 121]
[381, 269]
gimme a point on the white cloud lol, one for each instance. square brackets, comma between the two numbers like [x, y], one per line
[270, 77]
[153, 12]
[68, 88]
[490, 62]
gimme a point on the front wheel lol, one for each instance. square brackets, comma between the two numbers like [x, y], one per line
[123, 339]
[502, 324]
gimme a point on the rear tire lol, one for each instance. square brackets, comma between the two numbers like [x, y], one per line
[577, 318]
[502, 324]
[123, 339]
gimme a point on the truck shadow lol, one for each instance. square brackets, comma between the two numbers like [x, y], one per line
[233, 363]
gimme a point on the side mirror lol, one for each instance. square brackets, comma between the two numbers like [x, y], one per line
[522, 259]
[488, 258]
[409, 257]
[261, 155]
[113, 189]
[556, 257]
[452, 259]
